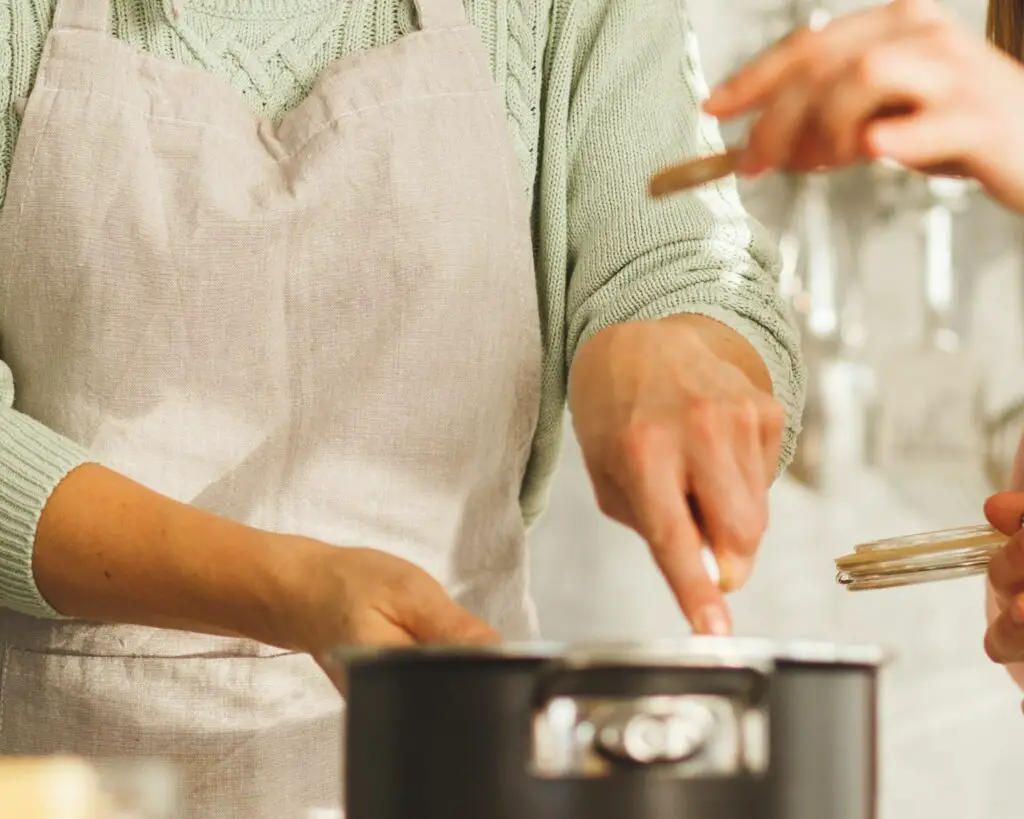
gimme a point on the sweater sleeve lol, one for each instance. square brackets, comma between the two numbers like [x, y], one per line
[33, 460]
[634, 106]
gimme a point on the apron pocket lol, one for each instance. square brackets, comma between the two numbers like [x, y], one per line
[254, 737]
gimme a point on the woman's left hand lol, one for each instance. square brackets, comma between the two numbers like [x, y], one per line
[668, 425]
[904, 81]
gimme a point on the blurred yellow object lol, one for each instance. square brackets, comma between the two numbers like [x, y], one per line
[50, 788]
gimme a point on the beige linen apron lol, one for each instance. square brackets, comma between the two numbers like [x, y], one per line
[326, 326]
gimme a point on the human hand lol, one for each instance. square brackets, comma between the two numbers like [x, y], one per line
[904, 81]
[1004, 641]
[348, 597]
[207, 574]
[665, 422]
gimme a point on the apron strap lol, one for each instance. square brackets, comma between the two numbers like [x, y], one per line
[84, 15]
[436, 14]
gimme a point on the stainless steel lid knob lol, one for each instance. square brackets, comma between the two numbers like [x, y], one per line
[647, 734]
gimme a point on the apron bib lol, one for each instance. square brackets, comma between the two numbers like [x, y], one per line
[326, 326]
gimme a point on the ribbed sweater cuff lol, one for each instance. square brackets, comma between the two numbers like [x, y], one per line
[33, 461]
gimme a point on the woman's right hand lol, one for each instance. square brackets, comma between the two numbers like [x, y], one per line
[904, 81]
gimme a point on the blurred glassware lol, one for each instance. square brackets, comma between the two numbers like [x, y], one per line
[67, 787]
[921, 558]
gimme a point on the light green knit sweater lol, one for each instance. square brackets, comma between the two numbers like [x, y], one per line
[599, 93]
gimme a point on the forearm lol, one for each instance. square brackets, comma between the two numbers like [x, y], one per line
[110, 550]
[689, 256]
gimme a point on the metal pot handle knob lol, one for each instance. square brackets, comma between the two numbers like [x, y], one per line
[586, 726]
[655, 730]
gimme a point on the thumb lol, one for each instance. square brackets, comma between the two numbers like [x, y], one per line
[1005, 511]
[434, 617]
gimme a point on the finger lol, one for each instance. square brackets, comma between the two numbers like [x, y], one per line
[613, 502]
[810, 153]
[379, 633]
[677, 553]
[733, 504]
[664, 521]
[337, 673]
[1005, 511]
[453, 625]
[1004, 640]
[861, 93]
[1006, 569]
[926, 138]
[774, 135]
[431, 616]
[799, 54]
[887, 83]
[728, 477]
[835, 101]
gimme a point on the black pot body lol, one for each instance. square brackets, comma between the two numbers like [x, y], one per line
[824, 741]
[436, 736]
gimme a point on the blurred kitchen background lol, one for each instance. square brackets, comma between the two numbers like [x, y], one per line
[892, 280]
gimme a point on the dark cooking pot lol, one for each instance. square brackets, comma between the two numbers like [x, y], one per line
[704, 728]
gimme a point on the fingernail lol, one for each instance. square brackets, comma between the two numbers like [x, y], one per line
[712, 620]
[734, 573]
[727, 573]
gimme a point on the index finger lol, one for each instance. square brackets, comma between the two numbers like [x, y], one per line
[680, 557]
[664, 519]
[761, 77]
[1004, 640]
[1005, 511]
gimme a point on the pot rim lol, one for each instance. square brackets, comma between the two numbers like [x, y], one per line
[724, 652]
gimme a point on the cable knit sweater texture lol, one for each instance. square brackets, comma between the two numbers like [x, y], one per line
[599, 93]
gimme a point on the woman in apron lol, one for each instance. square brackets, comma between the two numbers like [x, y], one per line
[278, 278]
[906, 81]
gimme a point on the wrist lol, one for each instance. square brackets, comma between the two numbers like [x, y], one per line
[628, 347]
[240, 581]
[727, 345]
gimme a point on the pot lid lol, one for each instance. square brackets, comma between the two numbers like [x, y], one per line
[695, 651]
[920, 558]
